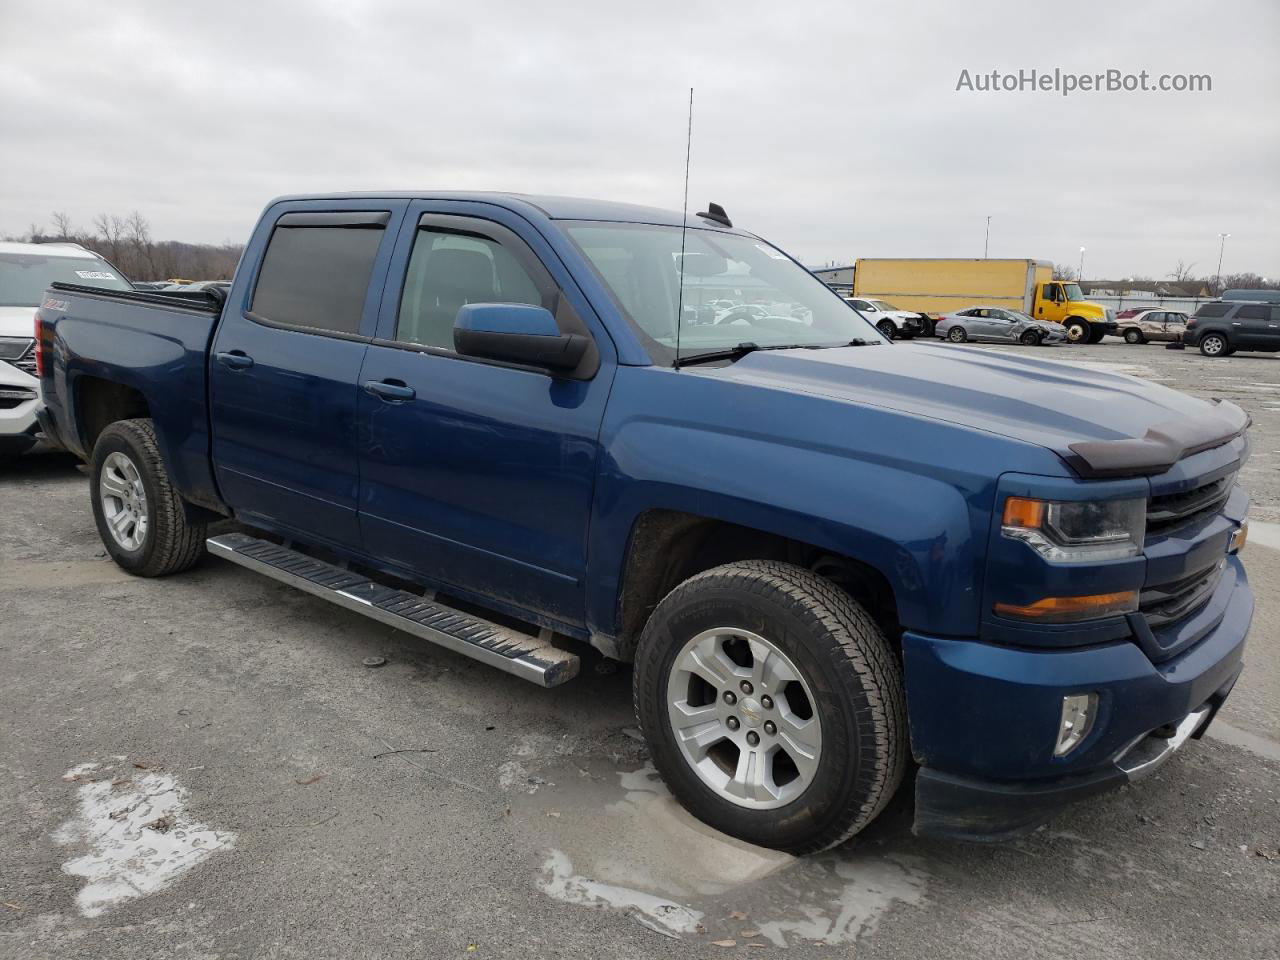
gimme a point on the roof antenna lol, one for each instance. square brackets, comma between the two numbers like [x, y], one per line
[684, 227]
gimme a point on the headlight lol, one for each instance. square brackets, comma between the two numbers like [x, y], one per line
[1077, 531]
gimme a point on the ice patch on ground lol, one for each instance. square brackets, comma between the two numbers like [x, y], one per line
[560, 881]
[872, 885]
[139, 838]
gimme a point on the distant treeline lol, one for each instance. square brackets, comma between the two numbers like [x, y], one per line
[127, 243]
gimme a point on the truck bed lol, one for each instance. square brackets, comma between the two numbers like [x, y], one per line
[149, 343]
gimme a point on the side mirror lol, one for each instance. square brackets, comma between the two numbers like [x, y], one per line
[516, 333]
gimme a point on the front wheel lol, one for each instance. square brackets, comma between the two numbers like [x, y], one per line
[140, 516]
[957, 335]
[1133, 336]
[773, 705]
[1213, 345]
[1031, 338]
[1077, 330]
[887, 328]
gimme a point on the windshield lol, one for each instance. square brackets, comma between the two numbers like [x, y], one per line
[736, 290]
[1073, 291]
[25, 276]
[884, 305]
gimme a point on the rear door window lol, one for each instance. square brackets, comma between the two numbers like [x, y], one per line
[315, 273]
[1256, 311]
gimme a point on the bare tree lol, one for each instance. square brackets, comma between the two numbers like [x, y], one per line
[1063, 272]
[111, 231]
[62, 226]
[1182, 273]
[1244, 281]
[139, 237]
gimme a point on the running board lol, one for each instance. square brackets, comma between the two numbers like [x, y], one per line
[527, 656]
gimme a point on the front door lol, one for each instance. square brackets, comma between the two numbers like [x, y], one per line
[478, 476]
[282, 376]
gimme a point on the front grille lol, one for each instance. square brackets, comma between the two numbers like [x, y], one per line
[1173, 601]
[1169, 511]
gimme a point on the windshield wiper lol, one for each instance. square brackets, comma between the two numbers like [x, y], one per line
[733, 353]
[859, 342]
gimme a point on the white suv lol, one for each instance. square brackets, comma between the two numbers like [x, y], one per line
[887, 318]
[26, 270]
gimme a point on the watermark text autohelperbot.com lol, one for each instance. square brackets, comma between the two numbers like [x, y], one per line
[1065, 83]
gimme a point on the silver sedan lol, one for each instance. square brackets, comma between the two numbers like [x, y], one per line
[997, 325]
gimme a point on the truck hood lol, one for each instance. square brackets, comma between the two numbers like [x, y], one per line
[1099, 423]
[17, 322]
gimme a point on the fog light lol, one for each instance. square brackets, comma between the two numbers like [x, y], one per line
[1239, 538]
[1078, 710]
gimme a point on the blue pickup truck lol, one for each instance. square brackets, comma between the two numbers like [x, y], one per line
[518, 425]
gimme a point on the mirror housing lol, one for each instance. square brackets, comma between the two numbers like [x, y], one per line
[516, 333]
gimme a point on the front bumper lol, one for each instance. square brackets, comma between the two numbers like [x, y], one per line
[984, 719]
[19, 402]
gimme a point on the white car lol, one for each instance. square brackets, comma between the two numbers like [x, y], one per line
[26, 270]
[888, 319]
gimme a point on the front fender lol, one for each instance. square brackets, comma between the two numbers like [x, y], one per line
[906, 495]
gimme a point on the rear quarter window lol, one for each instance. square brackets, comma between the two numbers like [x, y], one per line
[1254, 311]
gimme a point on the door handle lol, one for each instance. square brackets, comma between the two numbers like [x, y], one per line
[235, 360]
[392, 391]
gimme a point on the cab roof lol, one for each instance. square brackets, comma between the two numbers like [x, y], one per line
[552, 207]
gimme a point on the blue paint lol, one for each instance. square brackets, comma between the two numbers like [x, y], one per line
[521, 490]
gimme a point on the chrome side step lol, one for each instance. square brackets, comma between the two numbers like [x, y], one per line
[525, 655]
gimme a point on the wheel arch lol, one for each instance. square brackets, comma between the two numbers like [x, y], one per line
[667, 547]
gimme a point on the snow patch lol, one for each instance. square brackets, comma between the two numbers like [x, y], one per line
[561, 882]
[139, 838]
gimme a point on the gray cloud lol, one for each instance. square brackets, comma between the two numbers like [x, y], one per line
[835, 129]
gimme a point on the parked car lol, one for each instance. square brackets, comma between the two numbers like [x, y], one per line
[1220, 329]
[26, 269]
[1139, 326]
[828, 555]
[997, 325]
[888, 319]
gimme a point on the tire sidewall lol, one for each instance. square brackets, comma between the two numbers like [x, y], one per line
[1132, 336]
[117, 441]
[1077, 324]
[887, 329]
[957, 335]
[835, 787]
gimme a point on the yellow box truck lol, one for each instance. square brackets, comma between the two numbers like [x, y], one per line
[945, 286]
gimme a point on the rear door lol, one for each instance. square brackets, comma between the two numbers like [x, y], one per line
[476, 475]
[1250, 327]
[284, 364]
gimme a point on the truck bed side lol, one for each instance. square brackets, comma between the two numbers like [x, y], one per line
[109, 354]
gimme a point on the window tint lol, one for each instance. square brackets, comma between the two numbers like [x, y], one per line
[863, 305]
[447, 270]
[1275, 314]
[317, 276]
[1051, 291]
[1213, 310]
[1254, 311]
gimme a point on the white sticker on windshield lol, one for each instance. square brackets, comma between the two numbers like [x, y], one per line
[94, 275]
[777, 255]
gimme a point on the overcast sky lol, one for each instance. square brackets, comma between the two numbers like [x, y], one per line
[836, 130]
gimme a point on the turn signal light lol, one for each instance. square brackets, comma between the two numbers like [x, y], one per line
[1072, 609]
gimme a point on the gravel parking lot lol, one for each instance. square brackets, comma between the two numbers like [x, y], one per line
[203, 767]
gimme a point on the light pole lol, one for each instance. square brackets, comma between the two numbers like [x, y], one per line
[1080, 269]
[1217, 281]
[987, 241]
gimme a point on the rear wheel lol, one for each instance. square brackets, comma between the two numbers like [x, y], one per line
[1031, 338]
[957, 335]
[887, 328]
[1134, 336]
[1214, 345]
[140, 516]
[1077, 330]
[772, 704]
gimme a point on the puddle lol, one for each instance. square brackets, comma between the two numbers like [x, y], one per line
[138, 835]
[613, 837]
